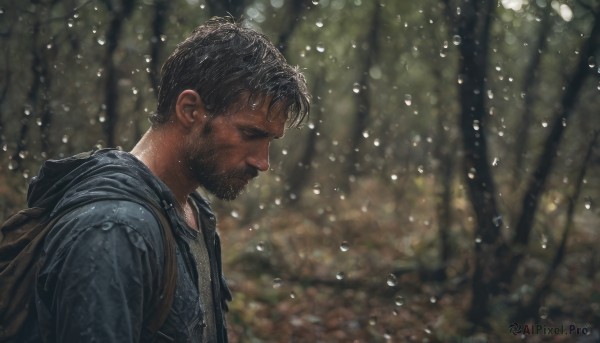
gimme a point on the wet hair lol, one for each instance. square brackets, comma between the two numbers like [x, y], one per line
[231, 67]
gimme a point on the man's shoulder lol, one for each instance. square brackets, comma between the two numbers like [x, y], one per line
[114, 216]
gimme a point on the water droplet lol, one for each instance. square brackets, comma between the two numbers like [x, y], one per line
[543, 312]
[497, 221]
[65, 139]
[392, 281]
[340, 276]
[420, 169]
[344, 246]
[284, 152]
[365, 134]
[587, 203]
[476, 125]
[376, 142]
[456, 40]
[478, 239]
[260, 246]
[317, 188]
[471, 173]
[277, 282]
[147, 58]
[432, 299]
[134, 90]
[320, 47]
[408, 99]
[163, 38]
[319, 23]
[544, 123]
[101, 40]
[102, 118]
[495, 161]
[12, 165]
[356, 88]
[70, 23]
[315, 2]
[235, 214]
[399, 300]
[394, 177]
[460, 79]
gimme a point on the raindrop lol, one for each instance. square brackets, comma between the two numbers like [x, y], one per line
[420, 169]
[588, 203]
[163, 38]
[372, 320]
[460, 79]
[495, 161]
[471, 173]
[394, 177]
[260, 246]
[317, 188]
[592, 62]
[365, 134]
[11, 165]
[315, 2]
[344, 246]
[408, 99]
[292, 295]
[26, 174]
[101, 40]
[340, 276]
[235, 214]
[65, 139]
[277, 282]
[478, 240]
[134, 90]
[456, 40]
[101, 118]
[70, 23]
[544, 123]
[387, 336]
[433, 299]
[356, 88]
[376, 142]
[320, 47]
[497, 221]
[399, 300]
[476, 125]
[148, 58]
[392, 281]
[284, 152]
[543, 312]
[544, 242]
[319, 23]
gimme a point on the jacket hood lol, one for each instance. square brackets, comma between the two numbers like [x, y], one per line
[106, 173]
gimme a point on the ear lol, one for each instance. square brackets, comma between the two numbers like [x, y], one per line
[189, 108]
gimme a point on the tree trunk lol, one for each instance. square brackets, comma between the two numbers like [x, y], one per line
[362, 100]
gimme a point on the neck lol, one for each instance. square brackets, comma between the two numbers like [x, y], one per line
[162, 154]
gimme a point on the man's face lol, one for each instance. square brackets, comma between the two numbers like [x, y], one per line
[232, 148]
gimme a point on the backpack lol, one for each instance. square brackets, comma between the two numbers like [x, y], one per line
[22, 238]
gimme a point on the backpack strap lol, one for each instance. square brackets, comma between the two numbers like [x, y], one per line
[162, 307]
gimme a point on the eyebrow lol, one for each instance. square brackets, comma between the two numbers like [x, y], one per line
[261, 132]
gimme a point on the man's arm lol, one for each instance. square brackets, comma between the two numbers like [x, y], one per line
[101, 274]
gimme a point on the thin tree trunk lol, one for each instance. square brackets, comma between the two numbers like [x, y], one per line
[158, 29]
[530, 309]
[111, 95]
[531, 72]
[363, 100]
[552, 143]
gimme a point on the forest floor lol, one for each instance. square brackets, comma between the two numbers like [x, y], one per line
[360, 270]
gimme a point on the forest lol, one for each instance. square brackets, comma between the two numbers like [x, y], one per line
[444, 189]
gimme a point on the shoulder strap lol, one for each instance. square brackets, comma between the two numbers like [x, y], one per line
[164, 302]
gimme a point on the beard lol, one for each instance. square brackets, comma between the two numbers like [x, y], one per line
[225, 185]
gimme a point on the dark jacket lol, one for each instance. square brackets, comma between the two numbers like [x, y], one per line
[102, 269]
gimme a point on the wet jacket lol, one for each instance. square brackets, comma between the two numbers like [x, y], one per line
[102, 269]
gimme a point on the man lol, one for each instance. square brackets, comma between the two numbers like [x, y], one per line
[225, 94]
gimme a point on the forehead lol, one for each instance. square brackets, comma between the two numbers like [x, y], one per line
[269, 117]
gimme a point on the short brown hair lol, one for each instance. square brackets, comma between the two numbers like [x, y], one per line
[223, 62]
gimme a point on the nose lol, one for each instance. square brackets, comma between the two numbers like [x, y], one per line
[260, 158]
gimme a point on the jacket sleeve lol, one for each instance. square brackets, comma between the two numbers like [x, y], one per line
[99, 276]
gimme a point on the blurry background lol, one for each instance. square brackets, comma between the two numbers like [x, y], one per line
[445, 187]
